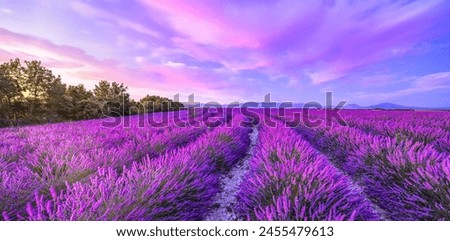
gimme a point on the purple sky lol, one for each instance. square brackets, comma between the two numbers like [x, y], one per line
[366, 52]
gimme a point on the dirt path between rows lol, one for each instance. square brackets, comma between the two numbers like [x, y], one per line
[225, 201]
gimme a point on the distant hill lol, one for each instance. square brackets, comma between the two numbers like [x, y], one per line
[389, 106]
[392, 106]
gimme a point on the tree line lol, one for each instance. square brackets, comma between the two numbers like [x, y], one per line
[32, 94]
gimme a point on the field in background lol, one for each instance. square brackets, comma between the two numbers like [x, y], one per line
[234, 165]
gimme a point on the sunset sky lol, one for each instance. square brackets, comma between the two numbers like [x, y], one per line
[365, 52]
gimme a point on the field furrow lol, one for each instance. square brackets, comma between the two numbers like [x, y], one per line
[179, 185]
[76, 151]
[225, 201]
[410, 128]
[407, 180]
[290, 180]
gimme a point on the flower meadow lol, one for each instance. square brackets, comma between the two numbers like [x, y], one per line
[376, 165]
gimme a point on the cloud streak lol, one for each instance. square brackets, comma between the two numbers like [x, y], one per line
[76, 66]
[427, 83]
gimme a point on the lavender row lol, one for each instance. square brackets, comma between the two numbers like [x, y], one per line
[19, 181]
[179, 185]
[60, 154]
[290, 180]
[407, 180]
[410, 127]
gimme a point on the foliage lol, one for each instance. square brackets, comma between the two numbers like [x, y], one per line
[32, 94]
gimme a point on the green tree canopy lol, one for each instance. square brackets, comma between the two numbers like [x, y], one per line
[33, 94]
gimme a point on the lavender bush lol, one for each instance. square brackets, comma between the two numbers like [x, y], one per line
[408, 180]
[289, 180]
[179, 185]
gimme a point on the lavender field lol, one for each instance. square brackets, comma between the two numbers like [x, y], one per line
[269, 165]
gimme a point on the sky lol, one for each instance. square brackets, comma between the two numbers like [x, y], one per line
[364, 52]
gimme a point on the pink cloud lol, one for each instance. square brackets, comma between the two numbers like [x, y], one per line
[211, 28]
[418, 84]
[75, 66]
[92, 12]
[71, 63]
[327, 39]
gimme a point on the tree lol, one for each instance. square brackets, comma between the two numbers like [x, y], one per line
[42, 91]
[134, 108]
[113, 97]
[57, 103]
[82, 104]
[78, 93]
[175, 105]
[11, 97]
[32, 94]
[87, 109]
[153, 103]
